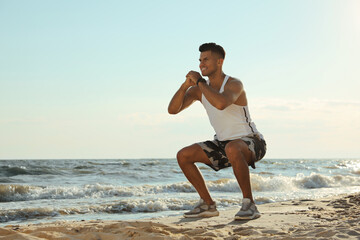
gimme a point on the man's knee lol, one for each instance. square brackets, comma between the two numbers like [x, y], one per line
[231, 149]
[181, 154]
[184, 155]
[234, 152]
[190, 154]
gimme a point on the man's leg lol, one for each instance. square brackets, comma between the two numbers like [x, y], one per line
[239, 156]
[187, 157]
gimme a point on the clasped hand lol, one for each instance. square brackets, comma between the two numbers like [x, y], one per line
[192, 77]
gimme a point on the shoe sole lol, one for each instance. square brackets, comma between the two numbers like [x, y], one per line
[203, 215]
[248, 217]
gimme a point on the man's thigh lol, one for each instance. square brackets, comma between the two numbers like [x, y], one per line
[194, 153]
[252, 147]
[238, 146]
[215, 151]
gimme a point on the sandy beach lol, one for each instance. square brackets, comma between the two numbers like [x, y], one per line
[329, 218]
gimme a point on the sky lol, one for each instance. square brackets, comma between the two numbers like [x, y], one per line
[92, 79]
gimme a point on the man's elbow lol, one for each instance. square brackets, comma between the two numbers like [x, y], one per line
[172, 111]
[221, 106]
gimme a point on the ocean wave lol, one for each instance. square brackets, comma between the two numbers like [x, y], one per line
[123, 206]
[10, 171]
[150, 163]
[7, 190]
[109, 163]
[129, 205]
[13, 171]
[80, 167]
[260, 183]
[14, 192]
[354, 167]
[8, 180]
[314, 180]
[25, 214]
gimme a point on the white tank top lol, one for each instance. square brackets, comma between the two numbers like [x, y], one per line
[231, 123]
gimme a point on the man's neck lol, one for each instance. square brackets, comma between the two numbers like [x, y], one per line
[217, 79]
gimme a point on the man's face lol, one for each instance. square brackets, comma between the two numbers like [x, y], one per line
[209, 63]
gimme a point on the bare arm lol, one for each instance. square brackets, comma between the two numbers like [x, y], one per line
[184, 97]
[232, 92]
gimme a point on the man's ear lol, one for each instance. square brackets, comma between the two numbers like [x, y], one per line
[220, 61]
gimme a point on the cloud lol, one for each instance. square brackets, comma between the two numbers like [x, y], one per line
[309, 127]
[304, 110]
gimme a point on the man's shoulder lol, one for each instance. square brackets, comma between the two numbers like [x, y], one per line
[234, 81]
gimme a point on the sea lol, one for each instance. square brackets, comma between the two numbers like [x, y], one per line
[34, 191]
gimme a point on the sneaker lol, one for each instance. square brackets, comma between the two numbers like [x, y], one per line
[202, 210]
[248, 211]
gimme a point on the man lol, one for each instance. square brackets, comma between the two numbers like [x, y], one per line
[237, 142]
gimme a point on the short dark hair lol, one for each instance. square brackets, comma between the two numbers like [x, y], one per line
[213, 47]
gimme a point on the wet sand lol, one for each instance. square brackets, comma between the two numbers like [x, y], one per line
[337, 217]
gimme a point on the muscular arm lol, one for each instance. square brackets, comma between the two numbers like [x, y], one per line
[184, 97]
[232, 92]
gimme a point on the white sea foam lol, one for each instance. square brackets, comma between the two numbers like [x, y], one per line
[139, 205]
[316, 180]
[80, 189]
[260, 183]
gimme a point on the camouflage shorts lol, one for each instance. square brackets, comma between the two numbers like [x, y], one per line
[215, 150]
